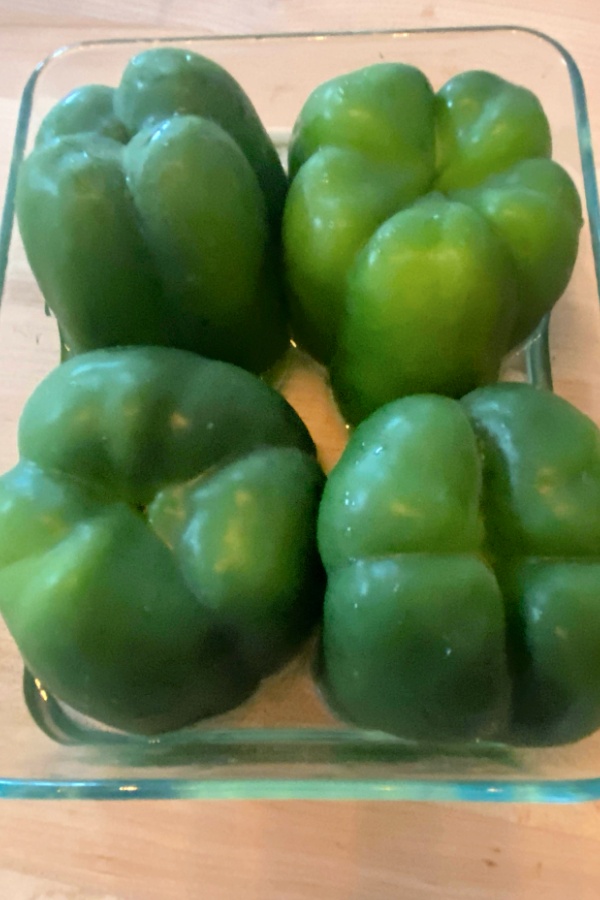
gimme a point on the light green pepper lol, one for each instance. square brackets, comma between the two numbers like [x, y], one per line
[425, 234]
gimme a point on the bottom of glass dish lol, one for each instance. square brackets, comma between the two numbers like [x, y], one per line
[225, 758]
[239, 733]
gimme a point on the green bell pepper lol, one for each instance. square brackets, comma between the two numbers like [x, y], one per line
[135, 202]
[425, 235]
[462, 545]
[157, 537]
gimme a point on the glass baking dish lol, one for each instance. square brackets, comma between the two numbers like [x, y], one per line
[284, 743]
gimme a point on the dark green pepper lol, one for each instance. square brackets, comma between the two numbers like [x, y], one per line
[425, 234]
[462, 544]
[157, 548]
[151, 214]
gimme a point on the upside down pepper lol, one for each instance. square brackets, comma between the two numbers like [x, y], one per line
[150, 214]
[462, 545]
[424, 234]
[157, 537]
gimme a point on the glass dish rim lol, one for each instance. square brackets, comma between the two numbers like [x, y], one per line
[548, 790]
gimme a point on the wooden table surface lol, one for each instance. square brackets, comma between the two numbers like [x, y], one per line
[54, 850]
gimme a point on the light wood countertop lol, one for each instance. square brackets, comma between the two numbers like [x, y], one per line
[146, 850]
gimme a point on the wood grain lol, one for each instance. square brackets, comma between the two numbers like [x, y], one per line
[262, 851]
[337, 851]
